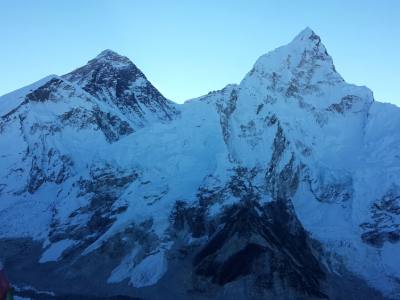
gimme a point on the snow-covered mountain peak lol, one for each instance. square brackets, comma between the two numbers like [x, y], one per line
[108, 53]
[111, 57]
[307, 34]
[115, 80]
[107, 63]
[303, 63]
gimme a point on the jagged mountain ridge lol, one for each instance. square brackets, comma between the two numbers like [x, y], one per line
[112, 179]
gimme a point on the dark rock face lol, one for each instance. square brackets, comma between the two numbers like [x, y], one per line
[282, 183]
[225, 110]
[385, 214]
[109, 124]
[54, 90]
[265, 242]
[43, 93]
[104, 186]
[345, 104]
[53, 167]
[188, 218]
[262, 244]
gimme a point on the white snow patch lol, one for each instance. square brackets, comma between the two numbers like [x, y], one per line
[148, 272]
[124, 269]
[54, 252]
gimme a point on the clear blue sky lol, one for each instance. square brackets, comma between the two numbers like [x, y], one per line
[187, 48]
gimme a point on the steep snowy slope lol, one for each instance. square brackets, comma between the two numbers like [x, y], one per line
[283, 186]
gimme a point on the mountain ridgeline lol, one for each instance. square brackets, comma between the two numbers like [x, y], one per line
[284, 186]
